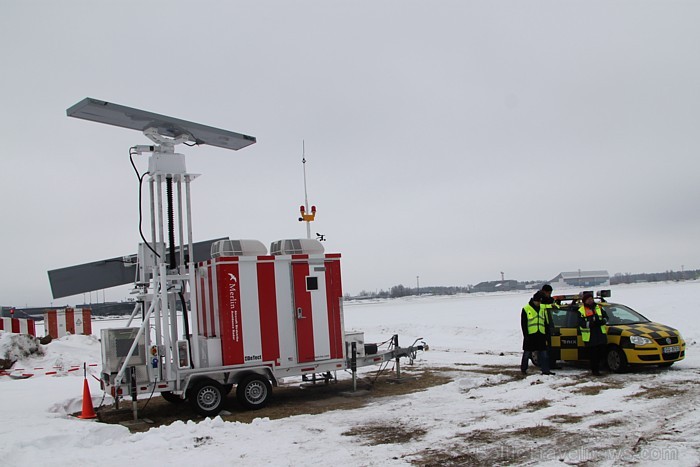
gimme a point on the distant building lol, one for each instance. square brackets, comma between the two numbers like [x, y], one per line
[581, 279]
[497, 286]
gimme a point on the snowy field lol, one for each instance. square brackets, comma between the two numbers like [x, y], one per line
[488, 413]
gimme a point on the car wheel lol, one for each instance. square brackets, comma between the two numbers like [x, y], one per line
[172, 398]
[617, 362]
[254, 391]
[206, 397]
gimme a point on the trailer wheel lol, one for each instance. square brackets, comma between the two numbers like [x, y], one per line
[206, 397]
[172, 398]
[254, 391]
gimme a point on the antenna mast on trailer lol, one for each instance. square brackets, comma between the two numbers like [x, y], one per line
[306, 215]
[163, 279]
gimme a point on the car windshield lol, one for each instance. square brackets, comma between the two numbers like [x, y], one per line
[620, 314]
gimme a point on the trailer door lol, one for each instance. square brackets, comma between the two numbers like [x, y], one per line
[311, 313]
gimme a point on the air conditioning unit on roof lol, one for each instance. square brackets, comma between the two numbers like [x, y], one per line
[299, 246]
[237, 248]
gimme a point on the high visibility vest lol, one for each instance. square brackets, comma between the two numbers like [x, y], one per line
[586, 332]
[536, 319]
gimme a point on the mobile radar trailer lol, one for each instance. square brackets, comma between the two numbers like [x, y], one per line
[219, 313]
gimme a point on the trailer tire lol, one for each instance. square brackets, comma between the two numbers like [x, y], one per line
[172, 398]
[207, 397]
[254, 391]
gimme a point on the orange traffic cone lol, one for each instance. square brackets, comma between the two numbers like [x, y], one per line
[88, 410]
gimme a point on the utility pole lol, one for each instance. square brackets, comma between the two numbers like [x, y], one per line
[418, 284]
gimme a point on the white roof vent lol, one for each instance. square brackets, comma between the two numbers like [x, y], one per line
[237, 248]
[299, 246]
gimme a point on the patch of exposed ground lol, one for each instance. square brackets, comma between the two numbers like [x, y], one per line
[481, 447]
[509, 371]
[609, 424]
[537, 431]
[565, 418]
[285, 401]
[385, 434]
[598, 388]
[660, 392]
[532, 406]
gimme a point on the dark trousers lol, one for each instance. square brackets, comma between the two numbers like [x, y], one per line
[542, 360]
[596, 354]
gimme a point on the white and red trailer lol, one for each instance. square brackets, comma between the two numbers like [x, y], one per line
[259, 317]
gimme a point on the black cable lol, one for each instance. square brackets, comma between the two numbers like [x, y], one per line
[171, 221]
[186, 320]
[141, 177]
[149, 398]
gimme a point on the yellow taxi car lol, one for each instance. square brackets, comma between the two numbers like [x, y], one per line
[632, 338]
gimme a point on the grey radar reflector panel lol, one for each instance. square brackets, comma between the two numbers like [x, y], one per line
[98, 275]
[135, 119]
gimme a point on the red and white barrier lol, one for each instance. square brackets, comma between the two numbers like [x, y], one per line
[59, 323]
[41, 371]
[18, 326]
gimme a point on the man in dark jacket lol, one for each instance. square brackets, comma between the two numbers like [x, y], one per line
[533, 322]
[548, 303]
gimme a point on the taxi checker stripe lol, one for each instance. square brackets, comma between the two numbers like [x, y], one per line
[659, 327]
[656, 331]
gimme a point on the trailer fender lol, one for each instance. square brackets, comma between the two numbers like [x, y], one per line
[238, 376]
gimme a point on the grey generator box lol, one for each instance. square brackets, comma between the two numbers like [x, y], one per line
[116, 343]
[359, 339]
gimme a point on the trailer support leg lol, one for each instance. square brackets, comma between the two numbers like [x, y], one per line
[134, 399]
[353, 366]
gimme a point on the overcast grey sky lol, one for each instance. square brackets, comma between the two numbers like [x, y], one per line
[449, 140]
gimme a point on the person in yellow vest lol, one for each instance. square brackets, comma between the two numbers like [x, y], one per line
[533, 322]
[593, 330]
[549, 303]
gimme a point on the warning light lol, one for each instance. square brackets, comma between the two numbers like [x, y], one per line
[307, 217]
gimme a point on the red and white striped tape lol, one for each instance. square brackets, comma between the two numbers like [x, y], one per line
[41, 371]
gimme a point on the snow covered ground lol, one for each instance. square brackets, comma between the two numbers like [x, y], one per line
[488, 414]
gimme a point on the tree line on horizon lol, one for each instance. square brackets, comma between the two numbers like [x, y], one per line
[400, 290]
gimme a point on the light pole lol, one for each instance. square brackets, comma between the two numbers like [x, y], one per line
[418, 284]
